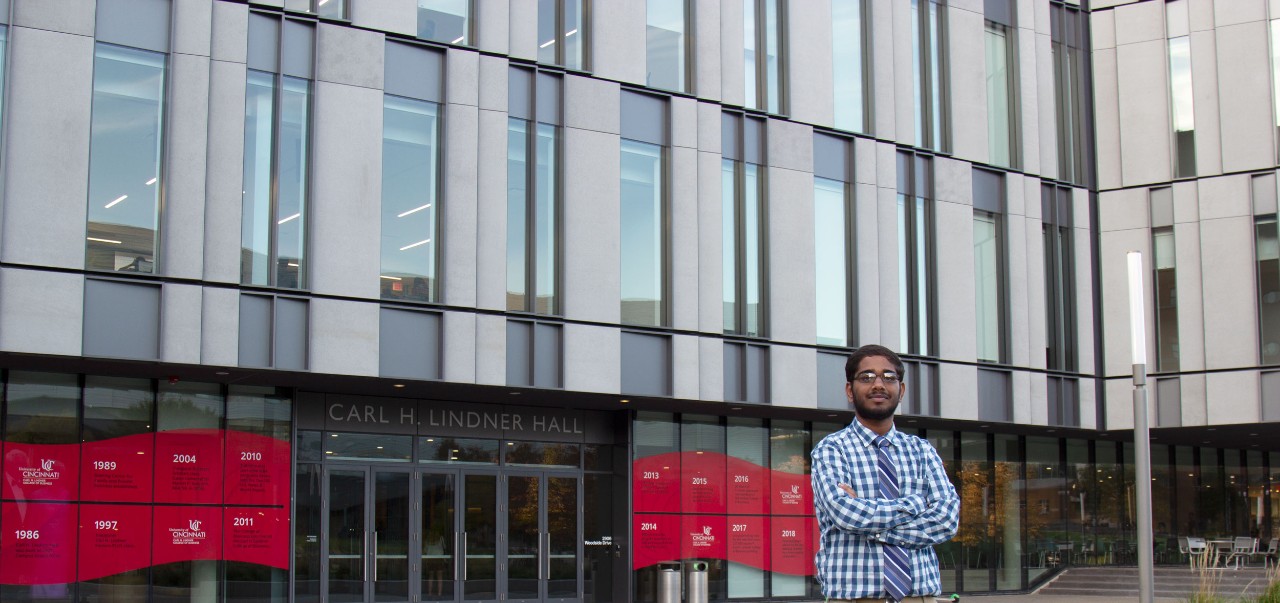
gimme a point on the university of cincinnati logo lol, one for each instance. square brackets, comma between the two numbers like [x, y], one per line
[44, 475]
[791, 497]
[703, 538]
[192, 534]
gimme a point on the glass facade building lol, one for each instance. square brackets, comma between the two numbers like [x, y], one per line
[445, 300]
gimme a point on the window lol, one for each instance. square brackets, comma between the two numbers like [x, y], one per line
[1071, 100]
[1182, 103]
[327, 9]
[1059, 278]
[1000, 125]
[833, 241]
[410, 185]
[916, 277]
[643, 216]
[989, 265]
[762, 33]
[125, 159]
[928, 39]
[533, 192]
[667, 45]
[1267, 241]
[1165, 283]
[561, 32]
[447, 21]
[277, 123]
[742, 213]
[849, 20]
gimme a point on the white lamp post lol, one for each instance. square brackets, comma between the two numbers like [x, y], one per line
[1141, 431]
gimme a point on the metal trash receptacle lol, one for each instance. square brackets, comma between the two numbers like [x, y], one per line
[668, 583]
[698, 587]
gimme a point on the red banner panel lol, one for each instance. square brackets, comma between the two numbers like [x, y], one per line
[257, 535]
[791, 494]
[37, 543]
[257, 470]
[703, 537]
[656, 483]
[187, 534]
[656, 539]
[41, 471]
[113, 539]
[749, 541]
[118, 469]
[793, 545]
[747, 485]
[702, 482]
[189, 466]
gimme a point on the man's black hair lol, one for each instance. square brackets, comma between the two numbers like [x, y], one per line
[867, 351]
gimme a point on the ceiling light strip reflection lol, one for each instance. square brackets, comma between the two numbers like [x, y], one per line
[412, 245]
[414, 210]
[118, 199]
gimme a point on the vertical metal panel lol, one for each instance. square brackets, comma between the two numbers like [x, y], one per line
[730, 139]
[1070, 403]
[646, 364]
[548, 351]
[137, 23]
[1000, 11]
[831, 381]
[255, 331]
[753, 147]
[299, 49]
[1054, 398]
[409, 344]
[413, 71]
[1168, 402]
[988, 191]
[121, 320]
[926, 392]
[1271, 396]
[290, 334]
[519, 348]
[831, 157]
[264, 42]
[1264, 194]
[993, 396]
[734, 364]
[548, 100]
[1161, 207]
[757, 374]
[1065, 208]
[904, 164]
[520, 93]
[644, 117]
[924, 177]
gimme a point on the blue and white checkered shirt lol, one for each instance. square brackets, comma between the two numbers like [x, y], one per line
[849, 560]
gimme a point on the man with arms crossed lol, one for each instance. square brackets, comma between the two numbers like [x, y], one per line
[882, 497]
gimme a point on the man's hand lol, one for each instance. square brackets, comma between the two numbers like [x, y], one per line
[848, 490]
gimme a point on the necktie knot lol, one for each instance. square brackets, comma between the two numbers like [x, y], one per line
[880, 442]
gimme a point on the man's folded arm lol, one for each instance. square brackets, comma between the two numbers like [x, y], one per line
[856, 515]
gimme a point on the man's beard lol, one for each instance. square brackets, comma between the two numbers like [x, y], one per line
[865, 410]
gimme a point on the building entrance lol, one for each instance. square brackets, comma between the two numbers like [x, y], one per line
[394, 534]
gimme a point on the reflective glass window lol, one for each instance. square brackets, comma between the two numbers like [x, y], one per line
[849, 63]
[410, 193]
[1165, 308]
[928, 28]
[1181, 93]
[832, 262]
[915, 254]
[360, 446]
[742, 190]
[666, 46]
[542, 454]
[561, 32]
[1000, 115]
[762, 44]
[988, 284]
[436, 449]
[643, 240]
[126, 136]
[533, 219]
[447, 21]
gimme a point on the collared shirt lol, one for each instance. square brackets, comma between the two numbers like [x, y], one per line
[849, 560]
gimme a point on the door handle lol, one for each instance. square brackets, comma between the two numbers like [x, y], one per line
[464, 556]
[375, 555]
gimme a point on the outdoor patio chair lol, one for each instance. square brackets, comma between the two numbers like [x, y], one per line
[1242, 548]
[1269, 554]
[1196, 549]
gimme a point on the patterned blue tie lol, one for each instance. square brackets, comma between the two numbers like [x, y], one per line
[897, 568]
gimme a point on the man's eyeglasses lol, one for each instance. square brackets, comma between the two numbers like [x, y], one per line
[869, 377]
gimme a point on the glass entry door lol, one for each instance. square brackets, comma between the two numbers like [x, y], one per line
[460, 532]
[542, 556]
[368, 535]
